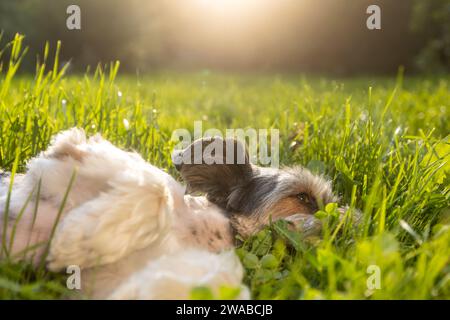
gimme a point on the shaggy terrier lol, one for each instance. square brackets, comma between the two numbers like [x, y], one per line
[137, 233]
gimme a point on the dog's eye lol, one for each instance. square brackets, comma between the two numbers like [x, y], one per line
[304, 198]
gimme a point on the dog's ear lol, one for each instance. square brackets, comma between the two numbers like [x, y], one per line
[215, 167]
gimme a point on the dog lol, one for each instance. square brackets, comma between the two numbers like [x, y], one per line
[134, 230]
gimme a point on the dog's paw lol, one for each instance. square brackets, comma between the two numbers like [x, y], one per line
[66, 144]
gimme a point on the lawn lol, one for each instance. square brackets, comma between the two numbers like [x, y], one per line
[384, 142]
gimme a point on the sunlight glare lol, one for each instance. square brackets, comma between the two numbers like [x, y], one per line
[228, 6]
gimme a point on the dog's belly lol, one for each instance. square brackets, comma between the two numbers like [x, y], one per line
[201, 224]
[207, 230]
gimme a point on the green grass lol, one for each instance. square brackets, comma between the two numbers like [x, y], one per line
[383, 141]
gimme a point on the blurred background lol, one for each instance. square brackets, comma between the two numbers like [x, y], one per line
[313, 36]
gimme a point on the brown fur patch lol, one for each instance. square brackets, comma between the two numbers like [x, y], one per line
[247, 225]
[289, 206]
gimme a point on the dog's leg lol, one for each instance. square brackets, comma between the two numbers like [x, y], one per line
[95, 162]
[97, 165]
[133, 214]
[29, 213]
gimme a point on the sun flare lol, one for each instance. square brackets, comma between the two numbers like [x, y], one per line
[228, 6]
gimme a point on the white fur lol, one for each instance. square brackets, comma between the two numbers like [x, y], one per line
[121, 217]
[173, 276]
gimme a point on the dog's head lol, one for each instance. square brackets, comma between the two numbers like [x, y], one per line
[250, 195]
